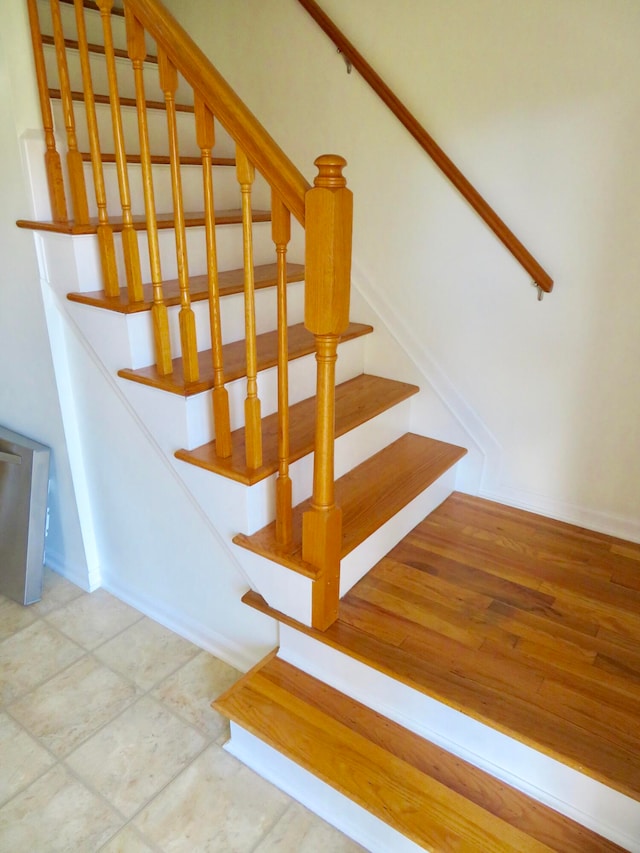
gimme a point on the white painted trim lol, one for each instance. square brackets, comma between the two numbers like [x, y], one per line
[316, 795]
[424, 361]
[624, 527]
[78, 575]
[579, 797]
[201, 635]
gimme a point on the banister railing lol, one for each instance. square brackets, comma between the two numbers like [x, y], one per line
[324, 211]
[268, 158]
[540, 277]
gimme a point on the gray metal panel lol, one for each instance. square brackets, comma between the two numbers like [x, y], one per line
[24, 481]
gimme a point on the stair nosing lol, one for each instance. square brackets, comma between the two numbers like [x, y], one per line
[93, 48]
[263, 541]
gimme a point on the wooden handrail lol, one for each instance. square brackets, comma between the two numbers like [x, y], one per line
[541, 278]
[266, 155]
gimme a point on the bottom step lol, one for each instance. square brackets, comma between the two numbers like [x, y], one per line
[430, 797]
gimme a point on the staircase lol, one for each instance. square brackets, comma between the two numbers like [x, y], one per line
[211, 282]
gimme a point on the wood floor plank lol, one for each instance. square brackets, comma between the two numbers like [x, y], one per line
[436, 799]
[557, 670]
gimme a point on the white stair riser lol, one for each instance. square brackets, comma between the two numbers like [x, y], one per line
[350, 818]
[73, 261]
[564, 789]
[232, 322]
[163, 411]
[226, 189]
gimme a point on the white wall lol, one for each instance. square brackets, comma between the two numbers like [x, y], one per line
[28, 394]
[538, 104]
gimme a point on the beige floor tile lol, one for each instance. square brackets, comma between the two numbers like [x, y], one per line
[56, 591]
[69, 708]
[134, 756]
[128, 841]
[93, 618]
[190, 691]
[13, 617]
[301, 830]
[31, 656]
[146, 652]
[22, 759]
[216, 804]
[56, 814]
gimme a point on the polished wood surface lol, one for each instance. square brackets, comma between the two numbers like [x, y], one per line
[439, 801]
[260, 148]
[106, 244]
[229, 282]
[527, 624]
[369, 495]
[444, 163]
[188, 344]
[53, 164]
[300, 343]
[205, 133]
[281, 233]
[124, 101]
[161, 338]
[75, 171]
[130, 249]
[329, 217]
[245, 171]
[139, 222]
[163, 159]
[357, 401]
[72, 44]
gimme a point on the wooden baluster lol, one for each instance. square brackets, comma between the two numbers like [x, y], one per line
[75, 168]
[281, 230]
[52, 161]
[169, 85]
[329, 215]
[129, 237]
[105, 233]
[162, 343]
[253, 425]
[205, 133]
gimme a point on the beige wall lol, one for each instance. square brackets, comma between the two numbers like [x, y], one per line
[537, 103]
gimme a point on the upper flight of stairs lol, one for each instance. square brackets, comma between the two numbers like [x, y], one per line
[407, 663]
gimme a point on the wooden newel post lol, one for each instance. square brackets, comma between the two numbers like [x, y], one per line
[329, 217]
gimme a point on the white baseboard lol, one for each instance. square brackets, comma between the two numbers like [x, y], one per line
[611, 524]
[78, 575]
[240, 657]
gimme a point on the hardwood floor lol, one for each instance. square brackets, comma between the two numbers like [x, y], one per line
[527, 624]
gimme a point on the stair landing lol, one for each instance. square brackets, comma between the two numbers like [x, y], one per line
[526, 624]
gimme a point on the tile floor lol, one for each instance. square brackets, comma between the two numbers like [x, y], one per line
[108, 742]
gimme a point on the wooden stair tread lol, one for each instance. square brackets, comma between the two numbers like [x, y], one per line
[301, 342]
[229, 282]
[425, 793]
[90, 4]
[162, 159]
[99, 98]
[95, 48]
[357, 400]
[369, 495]
[163, 220]
[450, 612]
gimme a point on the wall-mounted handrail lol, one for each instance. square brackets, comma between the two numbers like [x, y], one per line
[266, 155]
[541, 278]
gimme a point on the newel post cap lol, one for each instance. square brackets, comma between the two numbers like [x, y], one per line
[330, 168]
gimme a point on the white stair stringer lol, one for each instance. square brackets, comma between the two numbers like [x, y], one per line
[565, 789]
[283, 588]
